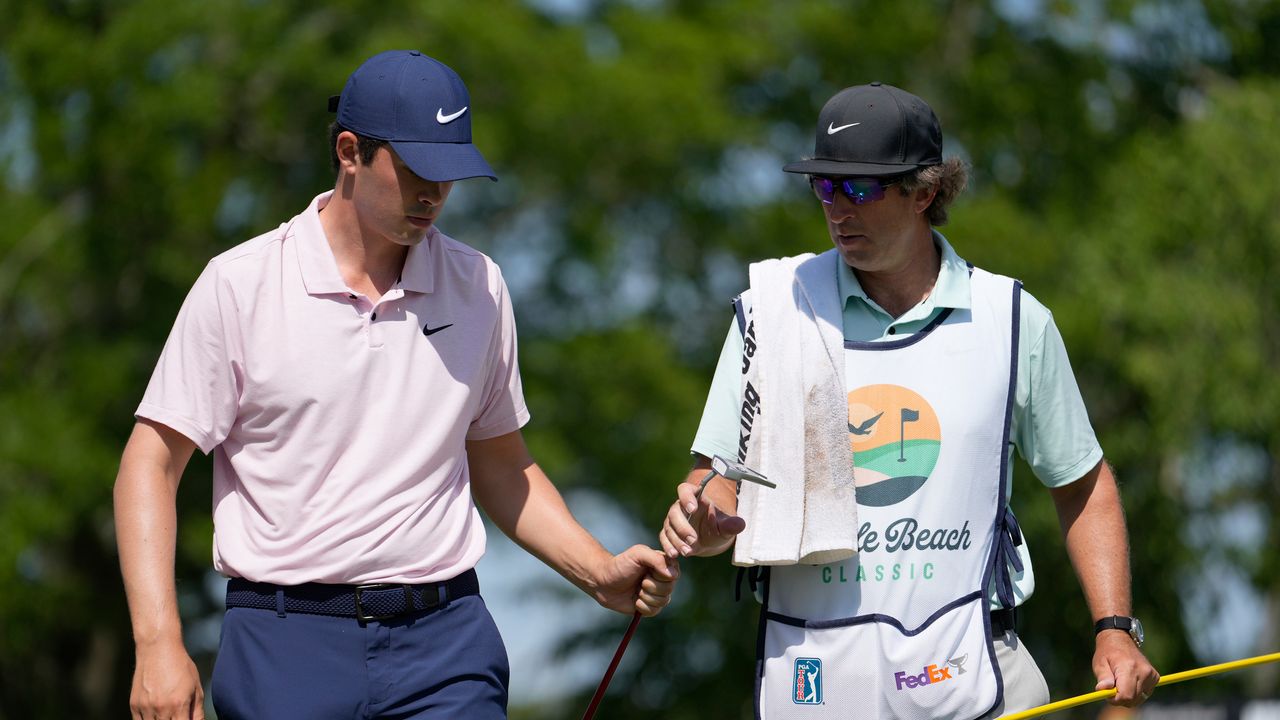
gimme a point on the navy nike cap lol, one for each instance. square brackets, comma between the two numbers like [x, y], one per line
[874, 130]
[420, 107]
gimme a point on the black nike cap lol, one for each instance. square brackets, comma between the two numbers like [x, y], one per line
[873, 130]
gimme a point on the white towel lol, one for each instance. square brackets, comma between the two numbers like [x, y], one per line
[799, 438]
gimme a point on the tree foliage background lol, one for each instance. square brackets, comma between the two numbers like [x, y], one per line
[1123, 158]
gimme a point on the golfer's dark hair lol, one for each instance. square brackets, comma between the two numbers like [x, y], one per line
[365, 146]
[949, 178]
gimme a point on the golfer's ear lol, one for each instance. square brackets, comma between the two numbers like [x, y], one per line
[347, 147]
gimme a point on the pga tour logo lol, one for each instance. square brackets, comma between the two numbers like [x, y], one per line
[806, 686]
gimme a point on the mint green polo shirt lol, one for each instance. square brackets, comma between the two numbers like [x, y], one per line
[1050, 426]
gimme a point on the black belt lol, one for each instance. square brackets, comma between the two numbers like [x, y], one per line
[362, 602]
[1003, 620]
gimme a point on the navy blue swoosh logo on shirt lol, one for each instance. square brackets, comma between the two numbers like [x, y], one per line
[429, 331]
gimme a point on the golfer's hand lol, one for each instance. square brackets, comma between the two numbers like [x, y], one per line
[1119, 664]
[638, 580]
[166, 685]
[696, 527]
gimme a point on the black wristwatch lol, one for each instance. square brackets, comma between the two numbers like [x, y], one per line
[1131, 625]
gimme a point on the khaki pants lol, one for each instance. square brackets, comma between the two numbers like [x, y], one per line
[1024, 685]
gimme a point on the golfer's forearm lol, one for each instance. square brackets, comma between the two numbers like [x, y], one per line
[1097, 542]
[147, 527]
[547, 529]
[146, 536]
[519, 498]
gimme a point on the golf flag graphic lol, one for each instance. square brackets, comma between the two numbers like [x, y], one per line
[907, 416]
[888, 466]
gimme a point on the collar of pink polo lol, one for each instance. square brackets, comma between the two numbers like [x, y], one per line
[319, 269]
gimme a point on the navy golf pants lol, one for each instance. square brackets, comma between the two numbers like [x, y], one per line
[448, 662]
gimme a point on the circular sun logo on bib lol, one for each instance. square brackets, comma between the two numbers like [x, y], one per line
[895, 438]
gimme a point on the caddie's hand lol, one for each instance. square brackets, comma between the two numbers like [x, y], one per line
[694, 526]
[166, 685]
[1119, 664]
[639, 579]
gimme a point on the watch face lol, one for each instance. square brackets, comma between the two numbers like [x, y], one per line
[1135, 631]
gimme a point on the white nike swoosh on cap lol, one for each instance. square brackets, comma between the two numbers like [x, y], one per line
[832, 129]
[446, 119]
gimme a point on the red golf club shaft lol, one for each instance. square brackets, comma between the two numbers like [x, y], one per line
[631, 630]
[608, 675]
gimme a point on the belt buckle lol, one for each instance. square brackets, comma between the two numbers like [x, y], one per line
[363, 616]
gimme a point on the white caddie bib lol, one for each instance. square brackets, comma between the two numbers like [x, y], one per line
[902, 629]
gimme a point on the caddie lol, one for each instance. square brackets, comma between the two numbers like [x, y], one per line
[884, 385]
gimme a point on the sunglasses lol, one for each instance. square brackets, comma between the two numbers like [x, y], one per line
[860, 191]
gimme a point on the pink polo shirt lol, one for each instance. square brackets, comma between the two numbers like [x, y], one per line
[338, 427]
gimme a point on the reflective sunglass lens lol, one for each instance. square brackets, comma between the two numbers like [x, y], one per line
[863, 190]
[860, 191]
[825, 189]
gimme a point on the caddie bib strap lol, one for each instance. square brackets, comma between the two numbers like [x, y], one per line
[903, 629]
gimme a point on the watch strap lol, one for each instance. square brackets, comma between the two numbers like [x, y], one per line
[1114, 622]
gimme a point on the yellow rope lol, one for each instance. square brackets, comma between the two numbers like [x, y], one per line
[1166, 680]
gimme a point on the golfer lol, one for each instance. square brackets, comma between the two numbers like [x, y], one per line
[891, 583]
[354, 374]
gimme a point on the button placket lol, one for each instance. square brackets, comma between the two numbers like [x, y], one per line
[384, 305]
[367, 316]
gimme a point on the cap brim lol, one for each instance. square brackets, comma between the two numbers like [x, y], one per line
[443, 162]
[842, 168]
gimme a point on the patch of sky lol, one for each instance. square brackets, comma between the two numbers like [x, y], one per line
[747, 176]
[171, 59]
[1191, 102]
[75, 120]
[1227, 530]
[790, 142]
[526, 246]
[1179, 30]
[803, 71]
[1167, 32]
[1120, 83]
[726, 275]
[1007, 167]
[31, 564]
[1101, 103]
[494, 217]
[527, 249]
[680, 296]
[18, 161]
[600, 42]
[563, 10]
[17, 154]
[569, 11]
[235, 211]
[635, 268]
[1261, 710]
[201, 633]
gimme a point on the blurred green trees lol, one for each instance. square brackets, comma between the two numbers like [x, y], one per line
[1123, 159]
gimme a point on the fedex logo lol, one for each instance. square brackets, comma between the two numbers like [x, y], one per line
[932, 674]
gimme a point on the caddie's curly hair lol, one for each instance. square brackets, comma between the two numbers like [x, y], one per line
[366, 146]
[950, 179]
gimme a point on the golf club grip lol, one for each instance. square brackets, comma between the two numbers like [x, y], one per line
[608, 674]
